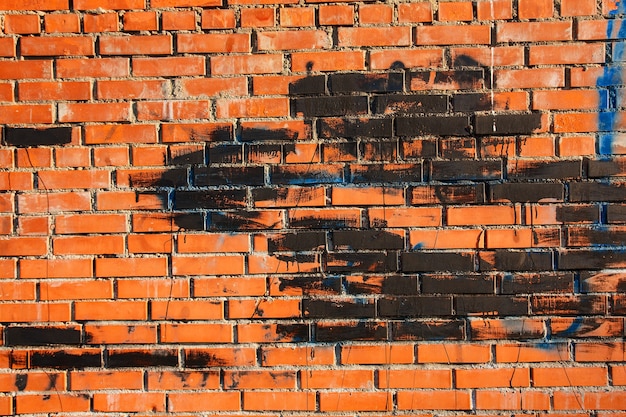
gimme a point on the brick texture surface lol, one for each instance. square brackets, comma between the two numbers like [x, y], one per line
[282, 207]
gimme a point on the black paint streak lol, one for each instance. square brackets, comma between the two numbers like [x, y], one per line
[24, 137]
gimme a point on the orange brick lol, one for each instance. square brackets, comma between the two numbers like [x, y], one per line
[483, 215]
[456, 11]
[511, 400]
[278, 400]
[183, 20]
[136, 21]
[567, 100]
[218, 19]
[136, 45]
[131, 267]
[56, 268]
[150, 243]
[453, 35]
[94, 112]
[173, 110]
[375, 14]
[26, 114]
[110, 4]
[105, 22]
[372, 354]
[153, 288]
[374, 36]
[297, 355]
[7, 47]
[33, 313]
[301, 39]
[346, 379]
[187, 310]
[494, 10]
[405, 217]
[434, 400]
[99, 380]
[570, 377]
[72, 157]
[242, 380]
[578, 7]
[453, 353]
[268, 264]
[23, 246]
[88, 245]
[110, 310]
[121, 334]
[58, 403]
[573, 53]
[207, 265]
[415, 12]
[252, 107]
[535, 9]
[8, 268]
[447, 239]
[57, 46]
[186, 132]
[492, 378]
[116, 200]
[569, 146]
[534, 31]
[367, 196]
[203, 402]
[499, 329]
[502, 56]
[297, 16]
[95, 67]
[169, 66]
[112, 133]
[384, 59]
[62, 23]
[256, 18]
[22, 24]
[600, 352]
[90, 223]
[605, 400]
[415, 378]
[30, 158]
[196, 333]
[530, 78]
[14, 70]
[129, 402]
[336, 15]
[76, 289]
[33, 381]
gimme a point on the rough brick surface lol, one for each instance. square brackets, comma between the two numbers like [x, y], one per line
[282, 207]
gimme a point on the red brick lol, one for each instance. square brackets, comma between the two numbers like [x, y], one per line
[92, 68]
[152, 288]
[168, 66]
[109, 4]
[218, 19]
[458, 11]
[173, 110]
[137, 21]
[278, 401]
[34, 5]
[502, 10]
[258, 17]
[570, 377]
[605, 400]
[574, 53]
[567, 100]
[72, 157]
[374, 36]
[252, 107]
[575, 122]
[327, 61]
[534, 31]
[136, 45]
[246, 64]
[453, 353]
[415, 378]
[16, 181]
[22, 24]
[185, 3]
[578, 7]
[131, 267]
[535, 9]
[184, 20]
[26, 114]
[57, 46]
[105, 22]
[110, 310]
[33, 226]
[492, 378]
[185, 132]
[231, 286]
[428, 58]
[34, 313]
[54, 202]
[375, 14]
[453, 35]
[137, 133]
[6, 92]
[115, 200]
[30, 158]
[502, 56]
[150, 243]
[209, 264]
[129, 89]
[297, 16]
[301, 39]
[241, 379]
[203, 401]
[210, 87]
[196, 333]
[65, 179]
[7, 47]
[297, 356]
[415, 12]
[62, 23]
[183, 380]
[208, 43]
[23, 246]
[346, 379]
[88, 245]
[336, 15]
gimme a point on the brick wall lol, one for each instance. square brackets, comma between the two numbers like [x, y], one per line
[301, 207]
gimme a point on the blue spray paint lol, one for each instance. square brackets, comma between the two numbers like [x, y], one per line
[612, 76]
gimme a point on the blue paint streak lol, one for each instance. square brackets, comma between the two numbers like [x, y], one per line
[611, 77]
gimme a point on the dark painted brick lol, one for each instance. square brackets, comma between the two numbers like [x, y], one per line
[249, 134]
[190, 221]
[615, 213]
[138, 358]
[553, 170]
[196, 157]
[240, 220]
[208, 358]
[296, 242]
[595, 236]
[428, 330]
[410, 104]
[572, 305]
[419, 148]
[204, 199]
[338, 332]
[310, 285]
[315, 222]
[490, 305]
[385, 173]
[512, 260]
[589, 327]
[449, 194]
[537, 283]
[457, 284]
[368, 83]
[331, 106]
[41, 336]
[86, 358]
[527, 192]
[433, 125]
[460, 79]
[419, 306]
[367, 239]
[609, 281]
[476, 170]
[350, 128]
[507, 124]
[595, 191]
[23, 137]
[361, 262]
[508, 329]
[175, 177]
[384, 151]
[437, 261]
[389, 285]
[591, 259]
[208, 176]
[312, 174]
[310, 85]
[301, 195]
[338, 308]
[226, 154]
[340, 151]
[599, 169]
[471, 102]
[577, 214]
